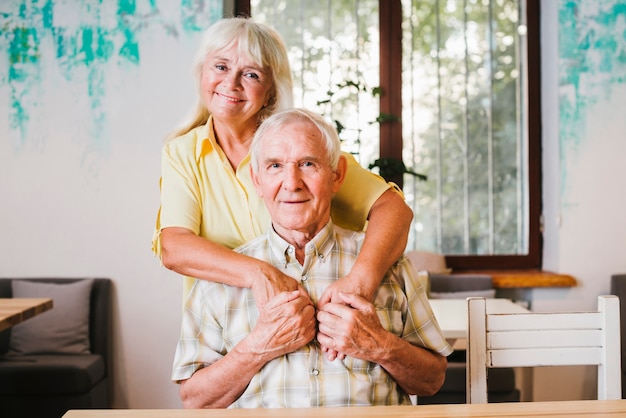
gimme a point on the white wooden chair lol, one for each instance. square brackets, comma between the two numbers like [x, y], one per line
[544, 339]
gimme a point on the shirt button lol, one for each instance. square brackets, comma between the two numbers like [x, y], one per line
[321, 256]
[290, 250]
[315, 372]
[304, 278]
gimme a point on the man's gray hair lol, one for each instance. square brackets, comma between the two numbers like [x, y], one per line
[279, 119]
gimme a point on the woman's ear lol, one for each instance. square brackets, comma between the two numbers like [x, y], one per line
[340, 173]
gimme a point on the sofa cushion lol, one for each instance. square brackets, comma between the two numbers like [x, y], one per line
[63, 329]
[461, 282]
[461, 286]
[50, 374]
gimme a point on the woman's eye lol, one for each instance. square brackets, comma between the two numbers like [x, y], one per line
[252, 75]
[220, 67]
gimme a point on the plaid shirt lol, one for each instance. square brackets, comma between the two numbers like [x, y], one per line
[217, 317]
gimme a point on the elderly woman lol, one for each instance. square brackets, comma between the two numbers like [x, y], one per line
[208, 202]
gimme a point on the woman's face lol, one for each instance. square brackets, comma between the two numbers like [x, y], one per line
[233, 88]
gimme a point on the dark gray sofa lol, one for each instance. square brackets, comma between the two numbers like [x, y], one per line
[47, 385]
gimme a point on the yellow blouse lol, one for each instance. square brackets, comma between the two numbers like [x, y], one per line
[201, 192]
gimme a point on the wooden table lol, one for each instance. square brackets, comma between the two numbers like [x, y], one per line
[452, 314]
[585, 409]
[16, 310]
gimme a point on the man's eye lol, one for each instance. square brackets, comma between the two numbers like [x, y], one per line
[308, 164]
[274, 165]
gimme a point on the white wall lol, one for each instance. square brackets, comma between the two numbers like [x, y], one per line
[584, 192]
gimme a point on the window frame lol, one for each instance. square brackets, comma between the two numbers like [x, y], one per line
[390, 22]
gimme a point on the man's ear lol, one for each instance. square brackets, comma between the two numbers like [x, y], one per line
[340, 173]
[255, 182]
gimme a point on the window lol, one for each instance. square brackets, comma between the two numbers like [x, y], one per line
[455, 78]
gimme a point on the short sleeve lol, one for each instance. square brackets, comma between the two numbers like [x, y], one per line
[180, 192]
[352, 203]
[201, 340]
[420, 327]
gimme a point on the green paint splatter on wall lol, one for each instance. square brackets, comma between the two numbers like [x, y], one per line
[197, 15]
[592, 60]
[87, 45]
[592, 49]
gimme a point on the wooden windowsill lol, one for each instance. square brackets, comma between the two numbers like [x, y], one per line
[506, 279]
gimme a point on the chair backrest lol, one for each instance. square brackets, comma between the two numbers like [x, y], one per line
[543, 339]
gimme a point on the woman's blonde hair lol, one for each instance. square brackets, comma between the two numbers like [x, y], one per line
[257, 42]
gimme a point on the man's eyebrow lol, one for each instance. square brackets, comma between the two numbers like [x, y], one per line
[272, 160]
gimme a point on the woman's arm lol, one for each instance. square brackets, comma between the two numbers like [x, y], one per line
[386, 237]
[385, 240]
[191, 255]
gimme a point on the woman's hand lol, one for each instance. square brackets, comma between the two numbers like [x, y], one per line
[268, 282]
[365, 287]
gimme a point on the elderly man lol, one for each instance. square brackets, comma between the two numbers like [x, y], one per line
[230, 354]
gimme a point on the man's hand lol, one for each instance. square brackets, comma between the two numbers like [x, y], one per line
[348, 284]
[286, 323]
[270, 282]
[351, 326]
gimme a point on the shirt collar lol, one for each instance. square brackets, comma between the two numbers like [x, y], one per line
[207, 142]
[319, 246]
[206, 139]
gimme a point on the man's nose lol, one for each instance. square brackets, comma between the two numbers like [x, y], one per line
[292, 179]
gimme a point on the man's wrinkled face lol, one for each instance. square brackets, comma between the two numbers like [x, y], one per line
[295, 178]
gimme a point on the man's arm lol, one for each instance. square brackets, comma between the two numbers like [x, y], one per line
[353, 327]
[223, 382]
[286, 323]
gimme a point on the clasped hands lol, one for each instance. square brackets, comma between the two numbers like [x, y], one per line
[344, 322]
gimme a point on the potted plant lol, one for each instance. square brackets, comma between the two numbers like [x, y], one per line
[388, 167]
